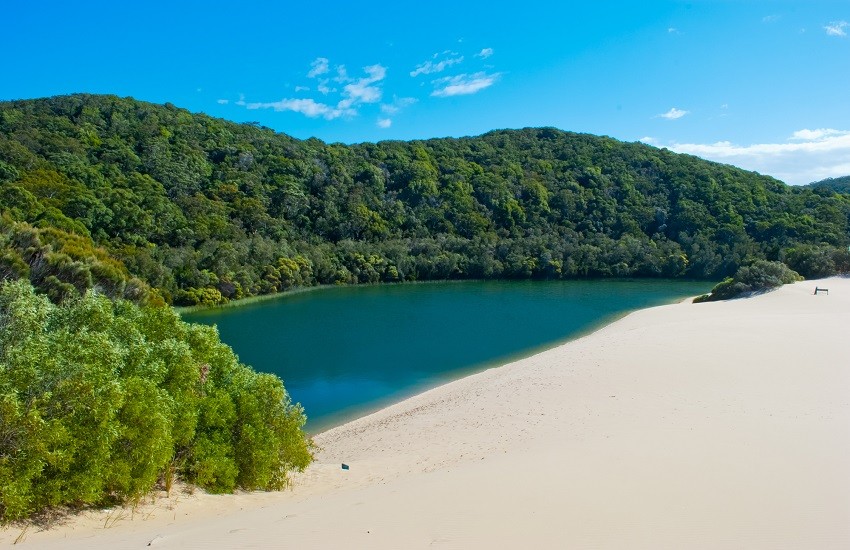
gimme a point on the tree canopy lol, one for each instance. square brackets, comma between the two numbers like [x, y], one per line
[839, 185]
[153, 203]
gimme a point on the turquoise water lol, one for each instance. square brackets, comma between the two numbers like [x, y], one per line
[345, 351]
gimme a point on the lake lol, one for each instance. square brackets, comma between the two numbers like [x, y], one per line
[345, 351]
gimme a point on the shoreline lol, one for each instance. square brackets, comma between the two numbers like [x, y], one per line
[454, 358]
[250, 300]
[716, 425]
[479, 368]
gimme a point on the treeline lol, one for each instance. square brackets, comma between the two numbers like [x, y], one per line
[839, 185]
[153, 203]
[101, 400]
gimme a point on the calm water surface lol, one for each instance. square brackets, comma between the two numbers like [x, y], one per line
[345, 351]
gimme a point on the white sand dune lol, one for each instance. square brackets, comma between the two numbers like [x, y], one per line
[723, 425]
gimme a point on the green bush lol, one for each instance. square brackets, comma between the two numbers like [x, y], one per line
[100, 400]
[759, 276]
[199, 297]
[815, 262]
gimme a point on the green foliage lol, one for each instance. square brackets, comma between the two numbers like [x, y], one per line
[759, 276]
[199, 297]
[131, 196]
[815, 262]
[99, 399]
[64, 264]
[838, 185]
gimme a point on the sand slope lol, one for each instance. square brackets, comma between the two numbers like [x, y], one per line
[723, 425]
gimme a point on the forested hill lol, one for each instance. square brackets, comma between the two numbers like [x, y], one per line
[129, 196]
[839, 185]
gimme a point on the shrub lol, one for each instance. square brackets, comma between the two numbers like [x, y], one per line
[760, 276]
[99, 400]
[199, 297]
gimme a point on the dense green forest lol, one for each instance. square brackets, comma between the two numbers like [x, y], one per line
[153, 203]
[839, 185]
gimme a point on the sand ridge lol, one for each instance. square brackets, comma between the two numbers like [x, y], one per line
[720, 425]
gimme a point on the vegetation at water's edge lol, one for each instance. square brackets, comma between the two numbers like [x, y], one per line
[154, 204]
[101, 400]
[760, 276]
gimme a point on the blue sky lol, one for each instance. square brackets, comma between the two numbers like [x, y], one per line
[759, 84]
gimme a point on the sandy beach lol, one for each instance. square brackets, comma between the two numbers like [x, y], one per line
[719, 425]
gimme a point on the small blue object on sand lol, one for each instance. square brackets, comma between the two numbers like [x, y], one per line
[345, 466]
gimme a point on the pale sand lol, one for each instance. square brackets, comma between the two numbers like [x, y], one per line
[723, 425]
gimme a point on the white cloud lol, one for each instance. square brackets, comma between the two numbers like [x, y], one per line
[397, 105]
[342, 75]
[485, 53]
[384, 122]
[672, 30]
[815, 135]
[319, 66]
[430, 67]
[355, 92]
[363, 89]
[376, 72]
[323, 87]
[770, 18]
[223, 101]
[463, 84]
[306, 107]
[673, 114]
[648, 140]
[836, 28]
[807, 156]
[359, 93]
